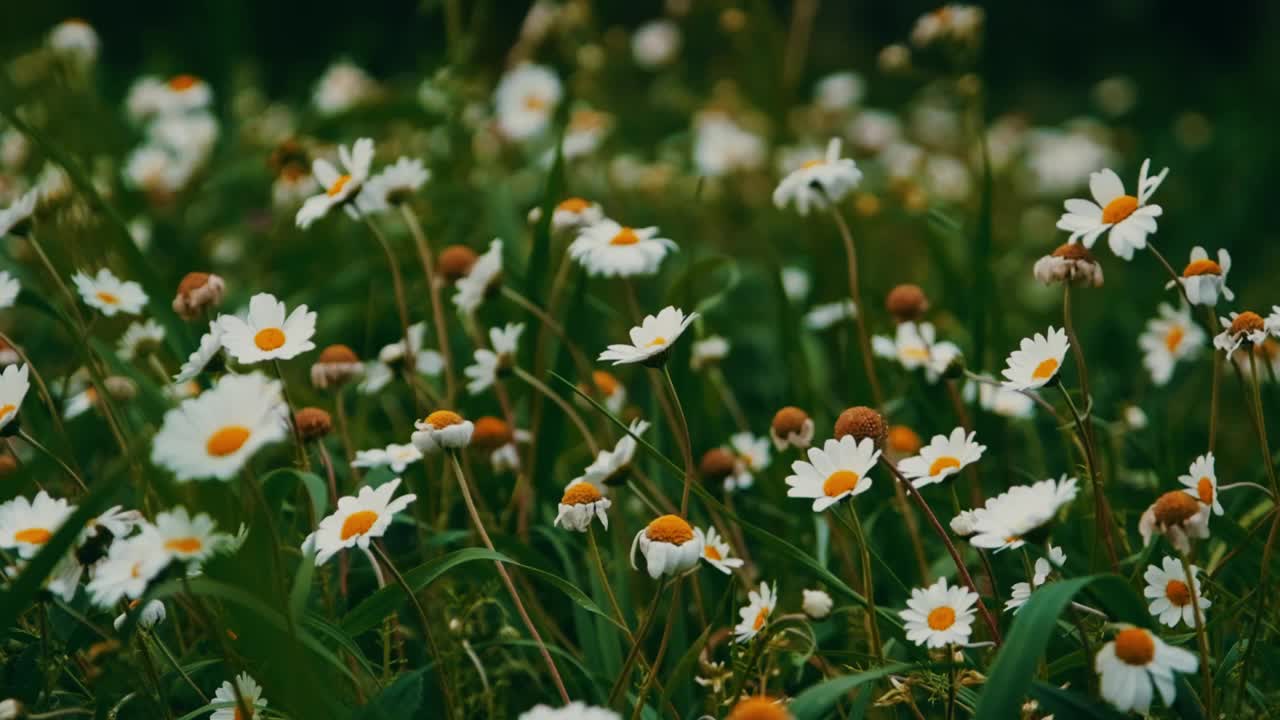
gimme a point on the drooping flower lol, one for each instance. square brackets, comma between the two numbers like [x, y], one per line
[1125, 219]
[791, 427]
[581, 503]
[670, 546]
[1178, 516]
[442, 429]
[939, 615]
[1245, 329]
[1204, 280]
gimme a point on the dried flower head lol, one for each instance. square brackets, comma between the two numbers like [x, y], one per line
[862, 422]
[791, 426]
[455, 262]
[903, 441]
[337, 365]
[906, 302]
[313, 423]
[1177, 516]
[8, 465]
[197, 293]
[1069, 263]
[491, 433]
[717, 464]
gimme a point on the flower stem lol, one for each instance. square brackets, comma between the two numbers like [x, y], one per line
[584, 367]
[563, 404]
[636, 646]
[868, 588]
[1202, 639]
[859, 321]
[686, 444]
[49, 454]
[402, 308]
[426, 626]
[1214, 329]
[303, 459]
[1101, 510]
[437, 308]
[652, 675]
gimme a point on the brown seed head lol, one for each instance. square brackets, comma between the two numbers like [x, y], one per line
[455, 262]
[337, 365]
[338, 353]
[198, 292]
[1247, 322]
[491, 433]
[8, 465]
[313, 423]
[903, 440]
[1073, 251]
[789, 420]
[862, 422]
[906, 302]
[717, 464]
[1174, 508]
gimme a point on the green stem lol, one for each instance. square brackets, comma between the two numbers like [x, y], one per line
[1206, 672]
[441, 666]
[859, 311]
[686, 444]
[1101, 511]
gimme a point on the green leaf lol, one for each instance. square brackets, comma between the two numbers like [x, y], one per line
[817, 701]
[314, 485]
[682, 292]
[1065, 704]
[400, 699]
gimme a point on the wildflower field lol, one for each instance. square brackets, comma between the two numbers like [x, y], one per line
[574, 360]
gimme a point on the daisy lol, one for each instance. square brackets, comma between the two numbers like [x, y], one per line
[938, 615]
[1135, 660]
[62, 582]
[716, 552]
[1128, 218]
[1036, 361]
[151, 614]
[246, 692]
[267, 334]
[378, 375]
[1001, 400]
[110, 295]
[9, 289]
[75, 39]
[339, 187]
[751, 455]
[580, 504]
[396, 457]
[1203, 279]
[13, 390]
[442, 429]
[575, 710]
[343, 86]
[1069, 263]
[611, 389]
[608, 249]
[186, 537]
[755, 615]
[573, 214]
[826, 315]
[184, 93]
[1202, 483]
[26, 525]
[916, 346]
[199, 359]
[655, 43]
[610, 466]
[670, 546]
[1043, 568]
[942, 457]
[130, 564]
[490, 364]
[652, 340]
[586, 131]
[1168, 338]
[484, 275]
[817, 604]
[395, 185]
[358, 520]
[1006, 519]
[525, 100]
[818, 182]
[115, 520]
[722, 147]
[837, 471]
[215, 433]
[708, 351]
[1242, 329]
[1171, 593]
[140, 339]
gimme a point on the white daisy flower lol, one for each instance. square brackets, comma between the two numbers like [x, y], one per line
[184, 93]
[266, 334]
[525, 100]
[13, 390]
[708, 351]
[837, 471]
[942, 457]
[199, 359]
[817, 604]
[760, 605]
[1006, 519]
[917, 346]
[108, 294]
[130, 564]
[575, 710]
[1202, 483]
[442, 429]
[610, 388]
[1128, 218]
[1001, 400]
[380, 373]
[716, 552]
[140, 339]
[1203, 279]
[18, 213]
[246, 691]
[396, 457]
[1036, 361]
[722, 147]
[651, 341]
[115, 520]
[339, 186]
[1135, 660]
[358, 520]
[670, 546]
[839, 91]
[580, 504]
[796, 284]
[655, 43]
[587, 129]
[1171, 593]
[964, 523]
[826, 315]
[491, 364]
[1043, 568]
[574, 214]
[186, 537]
[343, 86]
[938, 615]
[215, 433]
[751, 455]
[10, 286]
[608, 249]
[75, 39]
[151, 614]
[610, 466]
[818, 183]
[395, 185]
[62, 582]
[1169, 337]
[485, 274]
[1242, 329]
[26, 525]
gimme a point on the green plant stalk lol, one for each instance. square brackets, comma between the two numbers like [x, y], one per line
[563, 404]
[303, 460]
[636, 646]
[652, 675]
[49, 454]
[1202, 640]
[686, 444]
[1091, 462]
[859, 322]
[402, 308]
[868, 587]
[1214, 329]
[575, 352]
[433, 291]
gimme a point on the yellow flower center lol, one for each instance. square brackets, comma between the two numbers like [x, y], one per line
[1135, 646]
[625, 236]
[338, 184]
[712, 553]
[573, 205]
[657, 342]
[227, 440]
[441, 419]
[184, 544]
[943, 464]
[914, 353]
[1119, 209]
[838, 482]
[670, 529]
[108, 298]
[761, 617]
[5, 410]
[941, 618]
[1178, 593]
[183, 82]
[33, 536]
[269, 338]
[1204, 489]
[581, 493]
[1204, 266]
[357, 523]
[812, 163]
[1045, 369]
[534, 102]
[1173, 338]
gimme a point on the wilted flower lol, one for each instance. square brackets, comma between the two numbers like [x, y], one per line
[1179, 517]
[1069, 263]
[670, 546]
[791, 427]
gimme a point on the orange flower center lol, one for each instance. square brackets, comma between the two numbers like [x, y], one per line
[670, 529]
[183, 82]
[1119, 209]
[1204, 266]
[838, 482]
[943, 464]
[227, 440]
[1204, 489]
[1045, 369]
[761, 617]
[337, 185]
[903, 439]
[625, 236]
[1173, 338]
[108, 298]
[915, 352]
[580, 494]
[534, 102]
[758, 708]
[33, 536]
[573, 205]
[1135, 646]
[1178, 593]
[606, 382]
[5, 410]
[269, 338]
[941, 618]
[357, 523]
[441, 419]
[184, 544]
[712, 553]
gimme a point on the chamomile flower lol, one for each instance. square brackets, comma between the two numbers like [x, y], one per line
[75, 39]
[484, 276]
[1246, 329]
[1178, 516]
[525, 100]
[109, 294]
[754, 617]
[358, 520]
[587, 129]
[1036, 361]
[1203, 279]
[199, 359]
[491, 364]
[655, 43]
[939, 615]
[26, 525]
[816, 604]
[1125, 219]
[13, 390]
[833, 473]
[380, 373]
[343, 86]
[215, 433]
[1135, 660]
[917, 346]
[751, 455]
[246, 691]
[716, 552]
[708, 351]
[115, 520]
[140, 339]
[339, 186]
[443, 429]
[394, 186]
[183, 93]
[826, 315]
[609, 387]
[267, 334]
[1202, 483]
[580, 504]
[131, 563]
[610, 466]
[151, 614]
[1171, 593]
[574, 214]
[19, 212]
[609, 249]
[722, 147]
[942, 457]
[576, 710]
[10, 286]
[1043, 568]
[186, 537]
[1000, 400]
[670, 546]
[791, 427]
[819, 182]
[1006, 519]
[652, 339]
[1169, 337]
[396, 457]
